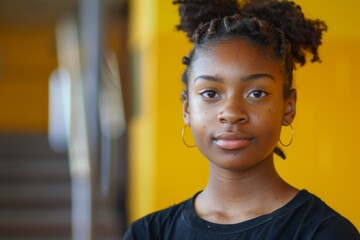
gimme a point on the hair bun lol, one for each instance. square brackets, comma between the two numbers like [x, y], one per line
[303, 34]
[195, 12]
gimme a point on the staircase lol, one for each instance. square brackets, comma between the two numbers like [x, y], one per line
[35, 193]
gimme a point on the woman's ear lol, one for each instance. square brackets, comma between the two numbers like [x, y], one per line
[289, 108]
[186, 113]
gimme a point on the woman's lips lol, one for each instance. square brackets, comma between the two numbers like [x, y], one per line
[231, 140]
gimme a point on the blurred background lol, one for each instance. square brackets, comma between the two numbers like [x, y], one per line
[90, 116]
[65, 101]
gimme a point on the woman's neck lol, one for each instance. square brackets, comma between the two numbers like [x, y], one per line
[236, 196]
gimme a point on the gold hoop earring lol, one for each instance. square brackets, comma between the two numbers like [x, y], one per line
[292, 137]
[183, 139]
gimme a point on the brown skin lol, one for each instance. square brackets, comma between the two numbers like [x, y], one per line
[236, 109]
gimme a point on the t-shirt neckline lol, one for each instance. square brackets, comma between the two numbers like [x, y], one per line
[199, 224]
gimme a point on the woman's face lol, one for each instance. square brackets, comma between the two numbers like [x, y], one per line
[235, 104]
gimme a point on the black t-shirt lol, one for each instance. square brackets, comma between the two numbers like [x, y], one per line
[305, 217]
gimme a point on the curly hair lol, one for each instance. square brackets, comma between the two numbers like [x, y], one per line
[276, 25]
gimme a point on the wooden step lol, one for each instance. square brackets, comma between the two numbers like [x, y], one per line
[45, 222]
[34, 170]
[52, 224]
[54, 238]
[57, 237]
[25, 196]
[27, 146]
[35, 193]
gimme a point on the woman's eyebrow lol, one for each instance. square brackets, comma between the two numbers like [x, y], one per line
[257, 76]
[208, 78]
[245, 78]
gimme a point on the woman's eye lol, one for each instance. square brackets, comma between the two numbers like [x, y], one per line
[209, 94]
[257, 94]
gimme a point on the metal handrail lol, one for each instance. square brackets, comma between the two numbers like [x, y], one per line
[69, 79]
[112, 122]
[77, 134]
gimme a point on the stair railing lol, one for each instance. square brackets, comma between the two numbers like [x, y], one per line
[112, 123]
[70, 78]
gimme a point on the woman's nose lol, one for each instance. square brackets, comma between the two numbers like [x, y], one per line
[233, 112]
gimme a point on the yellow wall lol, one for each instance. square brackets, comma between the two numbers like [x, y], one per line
[27, 57]
[323, 156]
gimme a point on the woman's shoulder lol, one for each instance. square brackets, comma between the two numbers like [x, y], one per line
[154, 222]
[317, 208]
[323, 220]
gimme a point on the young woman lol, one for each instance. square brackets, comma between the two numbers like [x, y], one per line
[238, 95]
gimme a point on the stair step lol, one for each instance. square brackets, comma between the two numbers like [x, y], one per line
[34, 195]
[57, 237]
[38, 222]
[34, 170]
[50, 222]
[24, 146]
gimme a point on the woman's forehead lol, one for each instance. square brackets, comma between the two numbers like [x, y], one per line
[232, 54]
